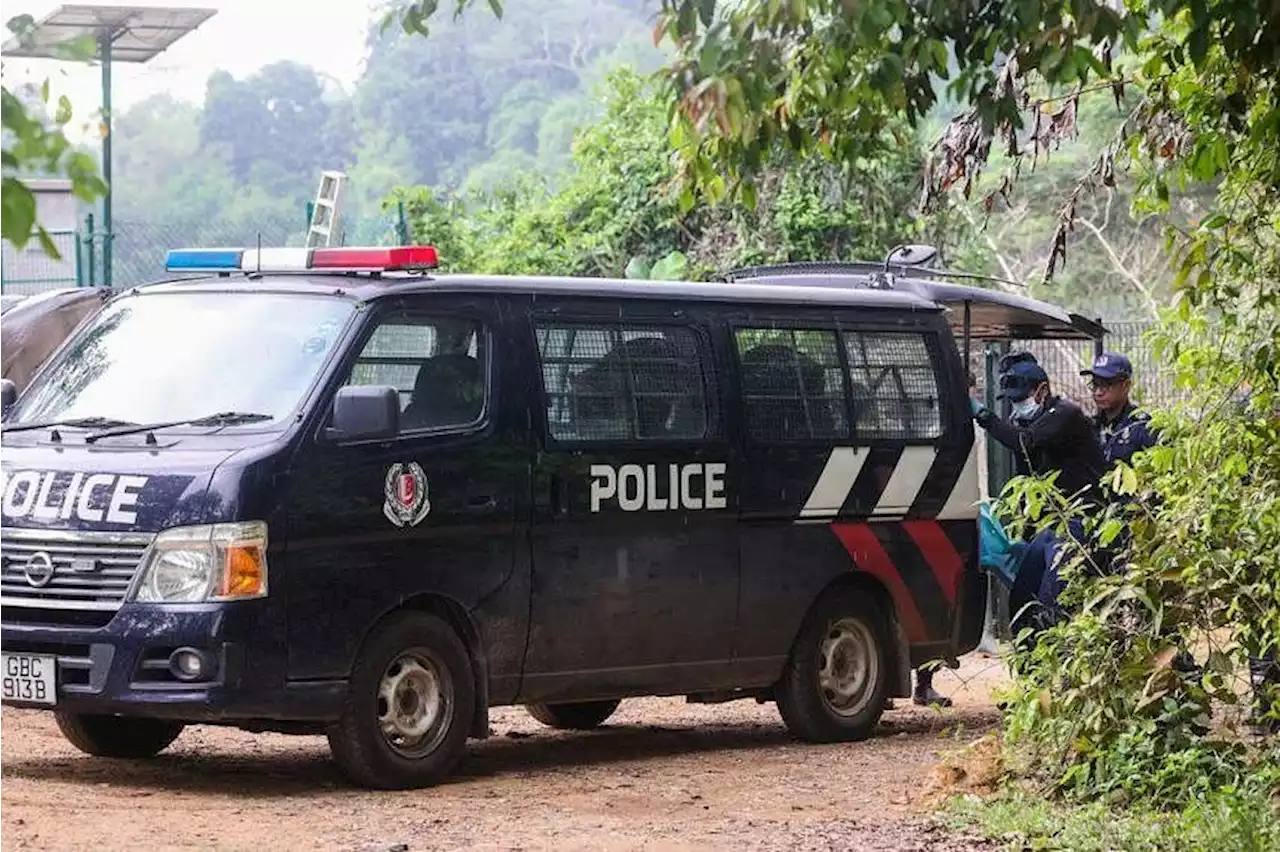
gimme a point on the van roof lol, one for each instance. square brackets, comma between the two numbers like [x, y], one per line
[365, 288]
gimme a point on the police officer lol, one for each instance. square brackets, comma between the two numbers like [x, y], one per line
[1121, 428]
[1046, 433]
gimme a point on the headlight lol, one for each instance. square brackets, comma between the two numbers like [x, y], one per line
[219, 562]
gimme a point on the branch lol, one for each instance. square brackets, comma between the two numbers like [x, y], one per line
[1120, 267]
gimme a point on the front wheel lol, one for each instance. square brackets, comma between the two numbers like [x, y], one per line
[837, 679]
[117, 736]
[580, 716]
[409, 706]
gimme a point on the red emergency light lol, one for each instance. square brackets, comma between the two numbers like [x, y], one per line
[388, 259]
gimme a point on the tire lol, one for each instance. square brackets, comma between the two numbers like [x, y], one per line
[580, 716]
[117, 736]
[418, 660]
[847, 626]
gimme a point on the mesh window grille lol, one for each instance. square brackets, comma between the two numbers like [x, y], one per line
[393, 355]
[436, 365]
[623, 382]
[792, 384]
[895, 388]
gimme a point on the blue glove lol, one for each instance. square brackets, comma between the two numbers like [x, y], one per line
[975, 407]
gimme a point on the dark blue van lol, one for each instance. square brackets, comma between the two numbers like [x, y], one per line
[326, 491]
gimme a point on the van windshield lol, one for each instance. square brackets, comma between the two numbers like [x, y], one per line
[157, 357]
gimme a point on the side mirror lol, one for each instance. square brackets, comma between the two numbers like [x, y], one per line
[365, 412]
[8, 395]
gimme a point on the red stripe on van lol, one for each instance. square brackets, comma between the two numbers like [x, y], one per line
[939, 553]
[870, 556]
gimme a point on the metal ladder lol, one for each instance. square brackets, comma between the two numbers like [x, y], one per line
[324, 215]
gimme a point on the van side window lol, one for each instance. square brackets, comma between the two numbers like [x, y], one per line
[792, 384]
[895, 388]
[623, 382]
[437, 364]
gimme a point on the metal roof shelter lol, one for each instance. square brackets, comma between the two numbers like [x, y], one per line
[122, 34]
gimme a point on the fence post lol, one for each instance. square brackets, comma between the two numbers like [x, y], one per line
[75, 238]
[999, 471]
[88, 241]
[402, 224]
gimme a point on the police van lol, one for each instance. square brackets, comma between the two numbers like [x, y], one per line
[327, 491]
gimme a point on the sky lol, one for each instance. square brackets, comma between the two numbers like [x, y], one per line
[242, 37]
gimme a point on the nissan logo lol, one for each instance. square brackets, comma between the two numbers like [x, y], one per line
[39, 570]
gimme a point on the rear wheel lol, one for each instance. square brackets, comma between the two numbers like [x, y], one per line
[117, 736]
[579, 716]
[409, 706]
[837, 679]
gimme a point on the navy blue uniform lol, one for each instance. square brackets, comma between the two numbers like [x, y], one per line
[1128, 433]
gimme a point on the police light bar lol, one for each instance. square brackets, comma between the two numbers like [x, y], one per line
[343, 259]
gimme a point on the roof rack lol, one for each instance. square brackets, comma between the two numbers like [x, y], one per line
[911, 260]
[879, 275]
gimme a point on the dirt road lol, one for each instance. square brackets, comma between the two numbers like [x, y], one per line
[661, 774]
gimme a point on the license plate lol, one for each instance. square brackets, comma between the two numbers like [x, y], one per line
[30, 678]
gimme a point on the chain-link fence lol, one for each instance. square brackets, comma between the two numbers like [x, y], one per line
[31, 269]
[1153, 383]
[140, 246]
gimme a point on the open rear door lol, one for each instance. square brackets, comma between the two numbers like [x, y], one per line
[995, 315]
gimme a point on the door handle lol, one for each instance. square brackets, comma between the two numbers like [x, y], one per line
[481, 503]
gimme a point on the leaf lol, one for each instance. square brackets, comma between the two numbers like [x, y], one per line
[19, 212]
[686, 200]
[671, 267]
[706, 11]
[637, 268]
[496, 7]
[46, 243]
[63, 115]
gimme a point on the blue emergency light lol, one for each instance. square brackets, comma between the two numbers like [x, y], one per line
[343, 259]
[203, 259]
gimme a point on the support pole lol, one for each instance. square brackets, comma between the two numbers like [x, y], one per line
[968, 323]
[105, 38]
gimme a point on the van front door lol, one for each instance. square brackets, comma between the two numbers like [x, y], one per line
[441, 511]
[634, 564]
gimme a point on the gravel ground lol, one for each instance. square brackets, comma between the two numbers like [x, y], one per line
[661, 774]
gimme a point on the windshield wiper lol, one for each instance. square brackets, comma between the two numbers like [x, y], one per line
[74, 422]
[223, 418]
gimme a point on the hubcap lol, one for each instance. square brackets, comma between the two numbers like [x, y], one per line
[415, 704]
[849, 666]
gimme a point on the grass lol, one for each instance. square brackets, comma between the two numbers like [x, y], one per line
[1226, 821]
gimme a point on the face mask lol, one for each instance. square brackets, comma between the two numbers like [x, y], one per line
[1026, 409]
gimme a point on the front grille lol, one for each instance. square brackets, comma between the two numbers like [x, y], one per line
[91, 571]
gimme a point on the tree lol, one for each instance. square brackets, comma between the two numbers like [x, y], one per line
[615, 209]
[36, 143]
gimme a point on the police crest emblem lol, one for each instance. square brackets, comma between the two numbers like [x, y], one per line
[405, 489]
